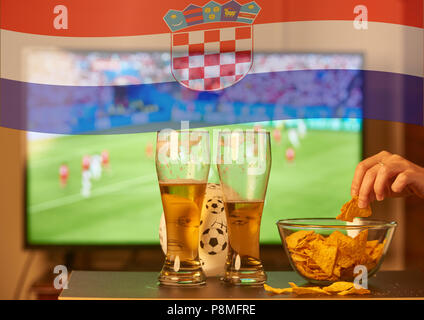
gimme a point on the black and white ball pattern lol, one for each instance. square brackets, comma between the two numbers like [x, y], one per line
[215, 205]
[213, 245]
[213, 241]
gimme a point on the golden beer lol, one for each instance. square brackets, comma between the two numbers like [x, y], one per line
[244, 163]
[182, 203]
[244, 221]
[182, 166]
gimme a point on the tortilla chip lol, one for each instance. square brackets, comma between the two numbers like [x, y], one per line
[306, 290]
[293, 239]
[277, 290]
[299, 257]
[324, 256]
[346, 249]
[372, 244]
[361, 239]
[377, 252]
[350, 210]
[338, 287]
[360, 244]
[332, 239]
[309, 290]
[337, 272]
[343, 210]
[354, 290]
[305, 270]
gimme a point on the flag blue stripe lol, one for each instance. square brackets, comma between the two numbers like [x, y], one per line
[23, 105]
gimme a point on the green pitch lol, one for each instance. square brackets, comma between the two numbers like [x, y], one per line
[125, 207]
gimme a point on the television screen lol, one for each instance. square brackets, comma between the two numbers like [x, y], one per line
[89, 186]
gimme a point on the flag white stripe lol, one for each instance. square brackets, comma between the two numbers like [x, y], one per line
[386, 47]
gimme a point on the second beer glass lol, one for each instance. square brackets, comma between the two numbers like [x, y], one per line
[244, 163]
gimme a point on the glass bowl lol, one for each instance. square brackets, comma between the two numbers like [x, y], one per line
[326, 250]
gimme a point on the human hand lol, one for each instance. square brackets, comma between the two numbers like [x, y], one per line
[386, 175]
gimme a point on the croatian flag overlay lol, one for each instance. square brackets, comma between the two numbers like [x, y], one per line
[79, 75]
[146, 67]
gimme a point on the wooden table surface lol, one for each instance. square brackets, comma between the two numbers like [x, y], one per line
[144, 285]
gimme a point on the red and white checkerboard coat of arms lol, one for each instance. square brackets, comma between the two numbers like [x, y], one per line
[205, 58]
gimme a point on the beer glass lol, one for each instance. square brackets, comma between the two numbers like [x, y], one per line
[244, 163]
[182, 165]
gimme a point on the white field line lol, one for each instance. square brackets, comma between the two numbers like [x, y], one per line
[96, 192]
[85, 149]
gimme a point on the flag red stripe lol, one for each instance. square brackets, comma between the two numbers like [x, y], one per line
[100, 18]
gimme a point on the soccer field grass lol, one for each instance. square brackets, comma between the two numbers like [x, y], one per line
[125, 207]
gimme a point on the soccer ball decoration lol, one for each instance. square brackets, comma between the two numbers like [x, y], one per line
[213, 238]
[213, 241]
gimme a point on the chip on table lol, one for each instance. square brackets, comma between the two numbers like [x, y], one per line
[341, 288]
